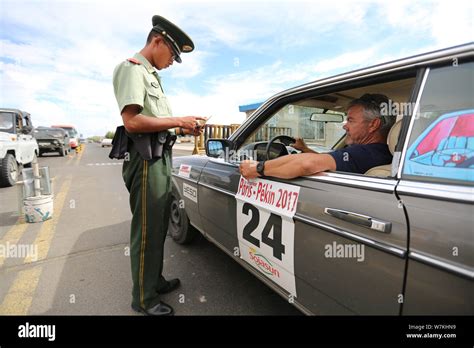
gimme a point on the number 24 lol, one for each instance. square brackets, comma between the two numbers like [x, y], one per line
[274, 222]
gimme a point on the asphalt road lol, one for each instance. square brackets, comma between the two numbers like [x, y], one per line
[81, 264]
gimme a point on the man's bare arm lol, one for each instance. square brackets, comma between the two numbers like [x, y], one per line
[291, 166]
[135, 122]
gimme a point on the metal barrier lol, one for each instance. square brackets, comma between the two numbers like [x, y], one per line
[266, 133]
[212, 131]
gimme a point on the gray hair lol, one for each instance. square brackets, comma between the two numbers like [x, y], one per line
[372, 104]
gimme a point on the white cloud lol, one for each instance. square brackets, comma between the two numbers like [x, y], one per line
[452, 23]
[345, 60]
[193, 65]
[448, 23]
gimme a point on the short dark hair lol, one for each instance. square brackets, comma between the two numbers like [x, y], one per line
[372, 104]
[153, 33]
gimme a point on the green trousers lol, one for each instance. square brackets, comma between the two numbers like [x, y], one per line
[149, 185]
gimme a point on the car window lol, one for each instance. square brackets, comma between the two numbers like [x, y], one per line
[296, 121]
[6, 122]
[441, 145]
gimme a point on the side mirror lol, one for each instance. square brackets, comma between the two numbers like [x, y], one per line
[327, 118]
[218, 147]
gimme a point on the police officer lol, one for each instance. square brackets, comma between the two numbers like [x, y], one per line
[145, 110]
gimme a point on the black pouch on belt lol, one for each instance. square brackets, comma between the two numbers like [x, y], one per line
[120, 144]
[158, 141]
[170, 140]
[142, 143]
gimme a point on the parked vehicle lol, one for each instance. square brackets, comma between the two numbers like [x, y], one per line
[72, 132]
[396, 240]
[17, 145]
[52, 140]
[106, 142]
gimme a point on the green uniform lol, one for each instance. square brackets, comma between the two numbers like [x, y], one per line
[148, 182]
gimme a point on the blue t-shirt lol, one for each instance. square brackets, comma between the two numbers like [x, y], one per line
[359, 158]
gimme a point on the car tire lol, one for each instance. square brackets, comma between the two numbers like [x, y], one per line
[9, 171]
[62, 152]
[179, 227]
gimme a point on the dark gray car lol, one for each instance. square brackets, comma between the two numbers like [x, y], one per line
[398, 239]
[52, 140]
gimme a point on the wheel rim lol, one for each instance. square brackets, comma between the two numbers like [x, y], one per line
[13, 172]
[175, 214]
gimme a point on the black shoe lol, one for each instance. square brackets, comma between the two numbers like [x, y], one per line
[159, 309]
[170, 286]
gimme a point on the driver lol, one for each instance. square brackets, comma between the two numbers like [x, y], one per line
[366, 140]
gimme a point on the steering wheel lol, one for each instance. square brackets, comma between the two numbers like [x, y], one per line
[285, 139]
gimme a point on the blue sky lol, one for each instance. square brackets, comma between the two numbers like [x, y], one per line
[57, 57]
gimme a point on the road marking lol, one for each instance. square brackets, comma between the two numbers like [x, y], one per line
[105, 164]
[46, 233]
[13, 235]
[20, 295]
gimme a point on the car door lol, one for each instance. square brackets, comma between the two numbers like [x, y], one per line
[350, 245]
[217, 205]
[26, 142]
[436, 188]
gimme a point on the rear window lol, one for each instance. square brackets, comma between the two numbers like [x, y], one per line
[441, 145]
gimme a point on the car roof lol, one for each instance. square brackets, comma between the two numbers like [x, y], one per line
[23, 113]
[62, 126]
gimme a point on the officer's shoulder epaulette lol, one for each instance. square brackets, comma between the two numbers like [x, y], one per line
[134, 61]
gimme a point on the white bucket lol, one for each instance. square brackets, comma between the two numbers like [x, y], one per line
[38, 209]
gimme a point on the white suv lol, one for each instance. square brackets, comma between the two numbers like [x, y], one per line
[17, 146]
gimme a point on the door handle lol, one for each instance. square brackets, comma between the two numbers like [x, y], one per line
[359, 219]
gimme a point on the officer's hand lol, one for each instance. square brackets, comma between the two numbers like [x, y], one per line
[248, 169]
[196, 131]
[191, 122]
[300, 145]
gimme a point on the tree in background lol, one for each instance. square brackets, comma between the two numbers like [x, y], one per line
[110, 135]
[96, 138]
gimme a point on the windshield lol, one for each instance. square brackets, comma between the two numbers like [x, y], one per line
[48, 133]
[6, 122]
[71, 132]
[296, 121]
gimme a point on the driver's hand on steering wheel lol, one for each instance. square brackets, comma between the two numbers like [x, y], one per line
[300, 145]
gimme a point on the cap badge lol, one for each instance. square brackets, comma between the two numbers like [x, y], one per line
[187, 48]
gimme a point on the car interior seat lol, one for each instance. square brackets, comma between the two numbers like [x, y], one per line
[392, 139]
